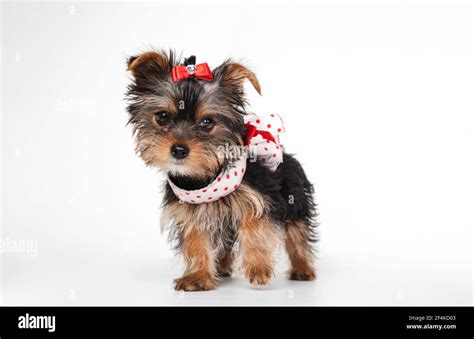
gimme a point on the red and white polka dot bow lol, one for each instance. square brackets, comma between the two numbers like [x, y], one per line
[263, 139]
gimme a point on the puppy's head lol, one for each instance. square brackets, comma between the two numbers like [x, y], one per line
[183, 127]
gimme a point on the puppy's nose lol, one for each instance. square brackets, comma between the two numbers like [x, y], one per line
[179, 151]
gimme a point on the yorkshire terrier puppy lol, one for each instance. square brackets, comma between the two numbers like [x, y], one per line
[231, 193]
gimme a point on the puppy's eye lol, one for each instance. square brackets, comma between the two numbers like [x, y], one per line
[206, 124]
[163, 118]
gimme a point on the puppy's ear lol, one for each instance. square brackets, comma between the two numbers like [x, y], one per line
[149, 64]
[231, 73]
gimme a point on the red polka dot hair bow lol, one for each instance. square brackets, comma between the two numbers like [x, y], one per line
[262, 144]
[263, 139]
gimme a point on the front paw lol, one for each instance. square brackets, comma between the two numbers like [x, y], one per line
[303, 274]
[260, 276]
[224, 274]
[195, 282]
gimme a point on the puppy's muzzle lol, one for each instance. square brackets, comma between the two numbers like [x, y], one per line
[179, 151]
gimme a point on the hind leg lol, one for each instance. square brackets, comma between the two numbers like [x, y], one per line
[297, 243]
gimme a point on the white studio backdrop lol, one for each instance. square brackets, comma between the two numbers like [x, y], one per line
[377, 99]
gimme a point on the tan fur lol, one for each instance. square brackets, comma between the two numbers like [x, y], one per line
[258, 240]
[197, 252]
[299, 251]
[154, 151]
[160, 59]
[199, 163]
[243, 203]
[240, 72]
[243, 211]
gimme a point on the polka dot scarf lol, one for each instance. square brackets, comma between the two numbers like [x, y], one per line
[262, 145]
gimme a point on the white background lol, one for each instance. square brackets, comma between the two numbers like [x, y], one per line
[378, 102]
